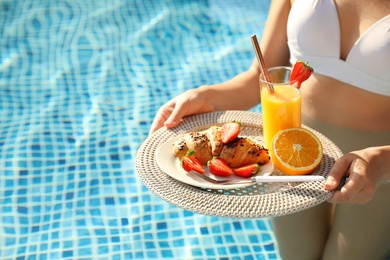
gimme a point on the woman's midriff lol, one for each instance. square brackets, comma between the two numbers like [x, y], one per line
[331, 101]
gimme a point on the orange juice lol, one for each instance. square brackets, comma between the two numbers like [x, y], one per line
[280, 110]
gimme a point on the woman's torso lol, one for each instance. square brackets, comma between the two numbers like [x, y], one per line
[338, 108]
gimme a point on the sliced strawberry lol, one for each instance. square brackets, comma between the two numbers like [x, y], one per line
[219, 167]
[230, 131]
[247, 170]
[197, 165]
[300, 72]
[189, 162]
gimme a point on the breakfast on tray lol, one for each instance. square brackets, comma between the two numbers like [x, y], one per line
[222, 150]
[294, 150]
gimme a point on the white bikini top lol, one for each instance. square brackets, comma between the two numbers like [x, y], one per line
[313, 33]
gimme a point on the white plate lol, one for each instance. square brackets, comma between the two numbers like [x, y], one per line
[170, 164]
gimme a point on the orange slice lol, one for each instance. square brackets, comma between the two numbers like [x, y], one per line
[296, 151]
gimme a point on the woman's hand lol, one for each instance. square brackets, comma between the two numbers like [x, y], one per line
[193, 101]
[239, 93]
[365, 170]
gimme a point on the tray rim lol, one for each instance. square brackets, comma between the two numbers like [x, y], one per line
[232, 203]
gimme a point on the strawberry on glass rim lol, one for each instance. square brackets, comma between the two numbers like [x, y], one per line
[301, 71]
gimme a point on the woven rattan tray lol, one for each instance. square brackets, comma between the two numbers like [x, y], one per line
[258, 200]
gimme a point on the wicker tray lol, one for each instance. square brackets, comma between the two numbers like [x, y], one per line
[258, 200]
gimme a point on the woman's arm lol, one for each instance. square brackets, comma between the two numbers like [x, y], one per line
[241, 92]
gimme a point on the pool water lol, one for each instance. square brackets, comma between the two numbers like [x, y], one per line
[80, 83]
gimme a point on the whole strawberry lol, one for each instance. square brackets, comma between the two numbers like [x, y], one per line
[230, 131]
[219, 167]
[300, 72]
[247, 170]
[190, 163]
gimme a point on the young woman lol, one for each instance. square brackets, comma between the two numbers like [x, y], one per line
[347, 42]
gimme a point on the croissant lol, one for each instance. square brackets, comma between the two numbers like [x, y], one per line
[205, 144]
[242, 151]
[208, 143]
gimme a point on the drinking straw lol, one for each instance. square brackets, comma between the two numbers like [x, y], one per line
[260, 60]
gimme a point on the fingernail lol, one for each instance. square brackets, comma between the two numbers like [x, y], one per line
[169, 122]
[330, 181]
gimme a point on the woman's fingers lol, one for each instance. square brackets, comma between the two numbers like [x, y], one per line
[339, 170]
[162, 116]
[171, 114]
[361, 184]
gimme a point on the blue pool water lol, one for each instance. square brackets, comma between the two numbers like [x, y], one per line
[80, 82]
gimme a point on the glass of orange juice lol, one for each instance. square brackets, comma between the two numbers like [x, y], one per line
[282, 108]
